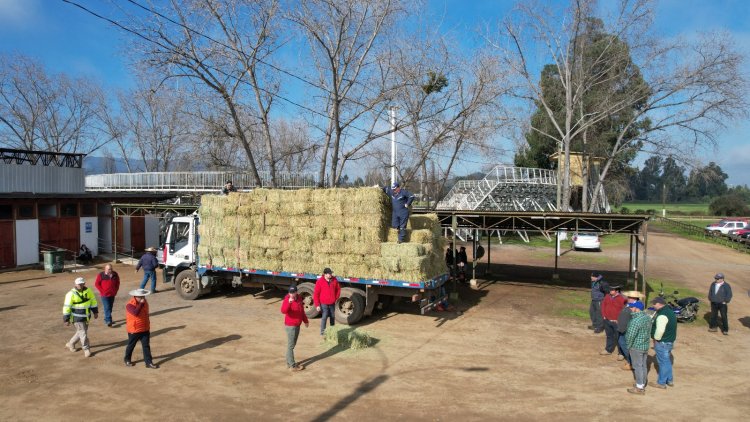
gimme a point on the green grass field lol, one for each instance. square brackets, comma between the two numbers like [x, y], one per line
[684, 208]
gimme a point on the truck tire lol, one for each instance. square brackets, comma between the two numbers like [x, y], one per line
[305, 291]
[187, 285]
[350, 307]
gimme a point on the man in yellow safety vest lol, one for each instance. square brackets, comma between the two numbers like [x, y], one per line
[80, 303]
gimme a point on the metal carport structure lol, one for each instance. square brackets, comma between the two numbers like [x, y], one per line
[636, 226]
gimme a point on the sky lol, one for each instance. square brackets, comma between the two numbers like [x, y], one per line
[66, 39]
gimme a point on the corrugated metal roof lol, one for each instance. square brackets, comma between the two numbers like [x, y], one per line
[41, 179]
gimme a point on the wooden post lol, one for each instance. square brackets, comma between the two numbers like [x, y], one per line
[645, 254]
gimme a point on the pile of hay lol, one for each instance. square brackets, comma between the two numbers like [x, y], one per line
[310, 229]
[347, 338]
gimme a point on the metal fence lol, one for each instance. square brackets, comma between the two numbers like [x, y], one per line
[202, 181]
[701, 233]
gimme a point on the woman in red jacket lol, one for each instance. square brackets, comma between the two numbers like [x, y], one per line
[108, 283]
[294, 311]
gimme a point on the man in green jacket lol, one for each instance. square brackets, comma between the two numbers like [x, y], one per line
[80, 303]
[637, 336]
[664, 333]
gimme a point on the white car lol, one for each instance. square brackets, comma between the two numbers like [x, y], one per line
[589, 241]
[726, 227]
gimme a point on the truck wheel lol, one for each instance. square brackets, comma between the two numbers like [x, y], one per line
[305, 291]
[350, 307]
[187, 285]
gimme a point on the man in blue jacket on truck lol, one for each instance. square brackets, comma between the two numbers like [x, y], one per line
[401, 199]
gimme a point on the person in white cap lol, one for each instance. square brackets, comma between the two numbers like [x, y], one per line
[139, 327]
[149, 263]
[80, 303]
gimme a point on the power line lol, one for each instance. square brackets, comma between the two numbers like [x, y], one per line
[271, 65]
[301, 106]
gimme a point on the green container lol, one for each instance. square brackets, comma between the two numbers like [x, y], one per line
[54, 261]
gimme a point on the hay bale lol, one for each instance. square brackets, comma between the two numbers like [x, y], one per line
[423, 221]
[402, 249]
[347, 338]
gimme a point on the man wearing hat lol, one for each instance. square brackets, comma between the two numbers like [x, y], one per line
[611, 307]
[637, 337]
[149, 264]
[622, 327]
[294, 315]
[327, 292]
[80, 303]
[664, 333]
[599, 289]
[719, 294]
[139, 327]
[401, 199]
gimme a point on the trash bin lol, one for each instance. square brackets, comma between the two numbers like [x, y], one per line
[54, 261]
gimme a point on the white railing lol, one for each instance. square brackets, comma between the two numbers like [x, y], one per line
[201, 181]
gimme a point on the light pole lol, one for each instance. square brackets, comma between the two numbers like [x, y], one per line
[393, 145]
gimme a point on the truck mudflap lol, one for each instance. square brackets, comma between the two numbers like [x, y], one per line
[428, 284]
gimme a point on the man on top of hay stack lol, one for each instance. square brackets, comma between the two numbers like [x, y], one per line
[400, 199]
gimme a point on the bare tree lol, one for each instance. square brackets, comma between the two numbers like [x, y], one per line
[682, 91]
[344, 38]
[39, 111]
[153, 127]
[223, 47]
[451, 105]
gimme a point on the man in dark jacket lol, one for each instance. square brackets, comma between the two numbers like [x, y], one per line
[327, 292]
[719, 294]
[149, 264]
[228, 187]
[598, 290]
[401, 199]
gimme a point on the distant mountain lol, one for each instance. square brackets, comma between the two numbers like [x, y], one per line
[102, 165]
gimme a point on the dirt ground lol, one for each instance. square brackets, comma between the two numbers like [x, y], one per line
[509, 356]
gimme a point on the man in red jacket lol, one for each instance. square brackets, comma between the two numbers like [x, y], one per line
[139, 327]
[294, 315]
[327, 292]
[611, 307]
[108, 283]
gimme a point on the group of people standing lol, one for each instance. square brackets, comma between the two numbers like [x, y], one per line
[81, 304]
[630, 330]
[327, 292]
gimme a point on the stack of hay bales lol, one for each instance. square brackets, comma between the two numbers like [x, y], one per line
[309, 229]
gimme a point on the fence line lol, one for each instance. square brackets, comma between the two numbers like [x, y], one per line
[703, 234]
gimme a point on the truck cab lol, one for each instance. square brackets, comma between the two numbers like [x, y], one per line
[178, 253]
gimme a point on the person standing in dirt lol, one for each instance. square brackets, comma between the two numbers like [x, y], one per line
[80, 303]
[664, 333]
[637, 335]
[108, 283]
[149, 263]
[611, 307]
[719, 294]
[622, 327]
[327, 292]
[598, 290]
[294, 315]
[139, 327]
[401, 199]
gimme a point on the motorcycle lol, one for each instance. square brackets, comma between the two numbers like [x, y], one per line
[685, 309]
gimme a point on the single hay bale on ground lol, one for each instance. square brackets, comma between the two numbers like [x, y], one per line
[347, 338]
